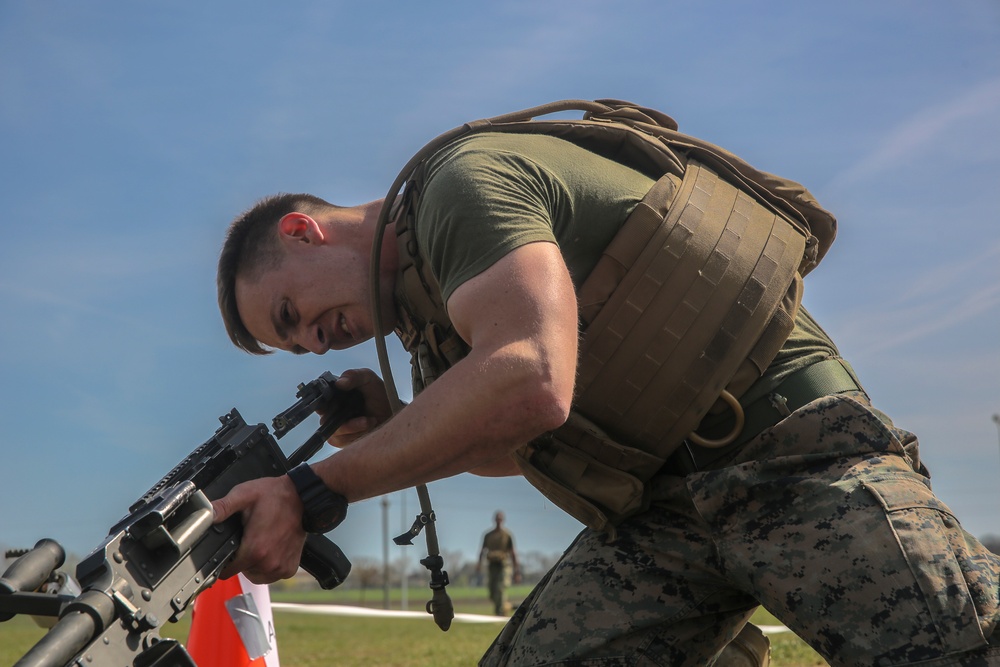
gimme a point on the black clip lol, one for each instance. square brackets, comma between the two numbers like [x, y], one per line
[418, 525]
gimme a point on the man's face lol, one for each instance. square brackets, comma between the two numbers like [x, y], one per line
[315, 300]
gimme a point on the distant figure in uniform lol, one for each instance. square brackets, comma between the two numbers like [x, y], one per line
[498, 549]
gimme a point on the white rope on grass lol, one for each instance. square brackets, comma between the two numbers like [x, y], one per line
[346, 610]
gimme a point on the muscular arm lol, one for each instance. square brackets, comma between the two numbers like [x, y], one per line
[520, 320]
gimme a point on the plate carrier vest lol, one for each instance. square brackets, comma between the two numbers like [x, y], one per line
[685, 309]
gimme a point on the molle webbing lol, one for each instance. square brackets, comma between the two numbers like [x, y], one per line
[424, 328]
[695, 303]
[695, 294]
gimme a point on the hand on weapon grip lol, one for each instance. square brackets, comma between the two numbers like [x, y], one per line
[377, 408]
[273, 537]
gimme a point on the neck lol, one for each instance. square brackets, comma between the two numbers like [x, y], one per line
[388, 259]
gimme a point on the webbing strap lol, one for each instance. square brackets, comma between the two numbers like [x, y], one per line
[645, 225]
[741, 324]
[824, 378]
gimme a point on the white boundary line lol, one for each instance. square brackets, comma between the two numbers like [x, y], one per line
[345, 610]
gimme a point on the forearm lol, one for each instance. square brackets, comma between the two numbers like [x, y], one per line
[502, 467]
[470, 419]
[519, 318]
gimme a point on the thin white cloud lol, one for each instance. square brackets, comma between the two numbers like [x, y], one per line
[538, 55]
[947, 297]
[953, 276]
[920, 132]
[932, 317]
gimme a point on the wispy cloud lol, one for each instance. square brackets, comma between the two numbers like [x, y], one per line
[945, 297]
[541, 41]
[920, 132]
[951, 277]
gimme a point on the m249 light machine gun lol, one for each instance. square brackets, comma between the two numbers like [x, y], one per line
[159, 557]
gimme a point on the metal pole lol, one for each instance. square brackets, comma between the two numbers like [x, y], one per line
[385, 552]
[996, 420]
[405, 568]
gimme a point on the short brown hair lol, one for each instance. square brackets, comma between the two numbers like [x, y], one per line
[250, 248]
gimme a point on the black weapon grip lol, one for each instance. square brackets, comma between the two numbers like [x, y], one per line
[325, 561]
[32, 569]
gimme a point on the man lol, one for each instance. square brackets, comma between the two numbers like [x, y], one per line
[823, 514]
[501, 564]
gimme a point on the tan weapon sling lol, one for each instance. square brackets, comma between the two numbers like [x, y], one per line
[690, 302]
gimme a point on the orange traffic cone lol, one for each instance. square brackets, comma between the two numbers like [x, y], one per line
[231, 626]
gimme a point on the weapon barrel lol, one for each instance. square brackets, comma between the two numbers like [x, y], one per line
[66, 638]
[82, 620]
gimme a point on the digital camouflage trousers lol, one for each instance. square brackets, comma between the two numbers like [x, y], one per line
[826, 519]
[498, 580]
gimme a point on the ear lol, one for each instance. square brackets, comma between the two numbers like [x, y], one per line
[300, 228]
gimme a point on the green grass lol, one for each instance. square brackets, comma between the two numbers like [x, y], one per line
[307, 640]
[787, 650]
[17, 636]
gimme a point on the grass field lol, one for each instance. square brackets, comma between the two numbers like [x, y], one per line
[307, 640]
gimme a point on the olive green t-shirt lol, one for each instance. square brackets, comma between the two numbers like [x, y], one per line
[498, 544]
[490, 193]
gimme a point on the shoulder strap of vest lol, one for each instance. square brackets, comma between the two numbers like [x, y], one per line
[789, 195]
[655, 137]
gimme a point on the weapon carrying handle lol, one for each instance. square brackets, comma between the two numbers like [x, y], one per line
[325, 561]
[32, 569]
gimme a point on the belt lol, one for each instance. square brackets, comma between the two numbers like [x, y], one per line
[824, 378]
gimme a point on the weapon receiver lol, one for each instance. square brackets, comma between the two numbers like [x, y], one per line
[166, 550]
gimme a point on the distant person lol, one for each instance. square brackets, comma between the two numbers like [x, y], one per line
[501, 564]
[570, 297]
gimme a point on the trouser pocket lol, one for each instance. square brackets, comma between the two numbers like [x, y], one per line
[955, 575]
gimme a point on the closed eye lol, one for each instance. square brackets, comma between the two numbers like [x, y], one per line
[284, 322]
[288, 321]
[285, 315]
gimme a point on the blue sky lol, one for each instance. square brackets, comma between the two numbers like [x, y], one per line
[132, 133]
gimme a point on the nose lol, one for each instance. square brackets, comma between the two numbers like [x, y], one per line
[316, 341]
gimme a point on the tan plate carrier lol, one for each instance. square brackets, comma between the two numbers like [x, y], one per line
[686, 308]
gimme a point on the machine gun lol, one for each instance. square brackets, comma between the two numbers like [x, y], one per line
[166, 550]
